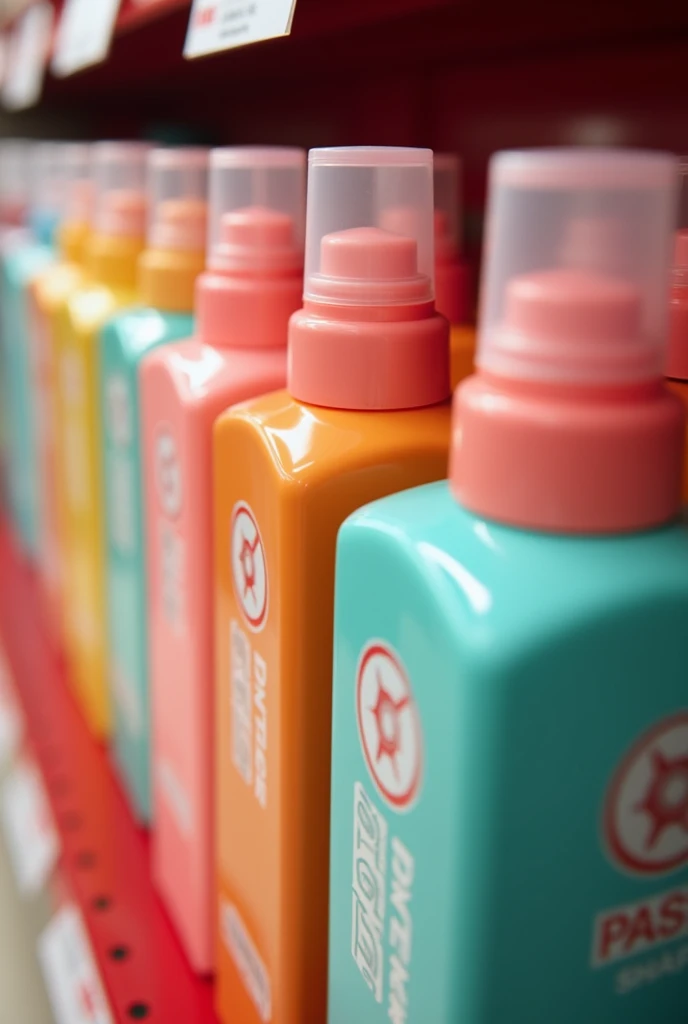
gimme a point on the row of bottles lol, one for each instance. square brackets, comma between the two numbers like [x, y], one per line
[398, 687]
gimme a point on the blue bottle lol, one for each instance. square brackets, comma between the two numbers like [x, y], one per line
[24, 256]
[509, 830]
[168, 267]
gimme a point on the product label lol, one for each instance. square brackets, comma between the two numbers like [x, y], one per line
[249, 567]
[646, 804]
[120, 464]
[73, 388]
[28, 827]
[223, 24]
[249, 710]
[169, 487]
[645, 833]
[389, 726]
[634, 928]
[176, 796]
[11, 720]
[247, 960]
[382, 887]
[74, 987]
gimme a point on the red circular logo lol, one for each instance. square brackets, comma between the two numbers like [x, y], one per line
[389, 725]
[646, 807]
[249, 570]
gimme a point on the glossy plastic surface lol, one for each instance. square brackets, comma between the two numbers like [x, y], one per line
[184, 387]
[519, 673]
[124, 342]
[77, 327]
[21, 263]
[47, 294]
[287, 475]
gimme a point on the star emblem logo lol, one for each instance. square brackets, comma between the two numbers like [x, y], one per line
[249, 569]
[646, 806]
[389, 725]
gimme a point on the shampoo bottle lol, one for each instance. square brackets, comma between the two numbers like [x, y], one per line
[510, 721]
[168, 267]
[48, 292]
[243, 302]
[365, 413]
[24, 257]
[112, 253]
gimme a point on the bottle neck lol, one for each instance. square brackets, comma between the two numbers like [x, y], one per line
[395, 358]
[167, 277]
[564, 459]
[246, 311]
[112, 260]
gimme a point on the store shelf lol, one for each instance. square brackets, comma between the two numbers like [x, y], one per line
[105, 858]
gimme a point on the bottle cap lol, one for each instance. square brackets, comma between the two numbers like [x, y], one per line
[119, 172]
[177, 204]
[369, 227]
[257, 200]
[575, 271]
[447, 186]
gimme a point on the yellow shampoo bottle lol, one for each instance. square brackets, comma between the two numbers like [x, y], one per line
[48, 293]
[112, 252]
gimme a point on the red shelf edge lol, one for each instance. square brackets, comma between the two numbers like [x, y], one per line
[105, 856]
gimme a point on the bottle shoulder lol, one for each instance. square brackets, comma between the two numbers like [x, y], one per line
[137, 330]
[307, 441]
[512, 579]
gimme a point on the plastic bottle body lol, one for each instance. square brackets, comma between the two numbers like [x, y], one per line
[507, 706]
[79, 324]
[48, 293]
[22, 261]
[184, 387]
[124, 343]
[287, 475]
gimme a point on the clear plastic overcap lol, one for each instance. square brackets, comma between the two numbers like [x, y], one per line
[575, 267]
[119, 174]
[77, 176]
[447, 183]
[369, 227]
[680, 268]
[14, 171]
[177, 199]
[46, 179]
[257, 202]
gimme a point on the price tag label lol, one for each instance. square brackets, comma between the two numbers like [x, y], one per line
[224, 24]
[32, 840]
[74, 987]
[27, 56]
[11, 720]
[84, 34]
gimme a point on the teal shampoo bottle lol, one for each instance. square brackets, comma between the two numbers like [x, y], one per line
[24, 256]
[509, 831]
[168, 268]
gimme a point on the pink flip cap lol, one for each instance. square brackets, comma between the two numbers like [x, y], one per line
[567, 425]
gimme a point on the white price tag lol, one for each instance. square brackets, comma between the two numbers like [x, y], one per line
[32, 840]
[11, 719]
[27, 57]
[84, 34]
[71, 977]
[223, 24]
